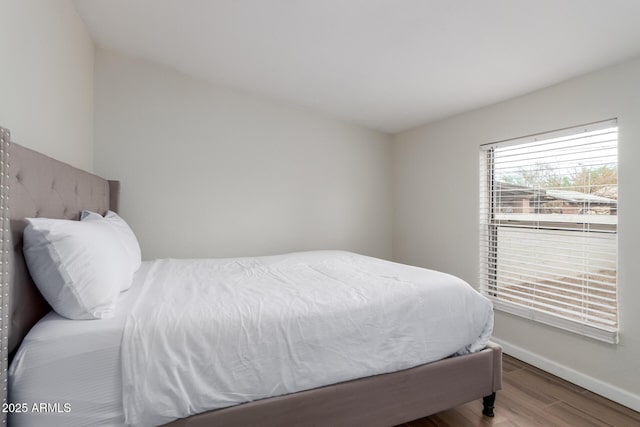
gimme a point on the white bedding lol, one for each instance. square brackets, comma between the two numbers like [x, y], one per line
[75, 362]
[208, 334]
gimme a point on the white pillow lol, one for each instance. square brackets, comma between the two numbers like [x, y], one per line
[79, 267]
[123, 233]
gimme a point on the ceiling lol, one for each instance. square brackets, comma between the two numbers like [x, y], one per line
[389, 65]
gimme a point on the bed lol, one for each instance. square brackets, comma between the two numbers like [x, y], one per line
[43, 187]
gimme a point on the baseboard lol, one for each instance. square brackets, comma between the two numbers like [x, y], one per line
[602, 388]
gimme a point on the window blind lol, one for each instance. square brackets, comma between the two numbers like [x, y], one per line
[548, 228]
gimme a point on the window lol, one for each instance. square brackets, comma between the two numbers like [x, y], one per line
[548, 221]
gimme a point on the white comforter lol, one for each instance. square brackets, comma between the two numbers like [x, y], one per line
[207, 334]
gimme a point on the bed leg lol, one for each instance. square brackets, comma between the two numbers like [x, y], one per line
[487, 404]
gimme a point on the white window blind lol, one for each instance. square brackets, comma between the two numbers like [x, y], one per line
[548, 221]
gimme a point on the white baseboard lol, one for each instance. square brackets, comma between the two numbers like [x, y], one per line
[597, 386]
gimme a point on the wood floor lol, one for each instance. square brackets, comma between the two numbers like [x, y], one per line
[531, 397]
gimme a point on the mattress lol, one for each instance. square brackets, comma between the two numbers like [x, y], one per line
[74, 366]
[280, 324]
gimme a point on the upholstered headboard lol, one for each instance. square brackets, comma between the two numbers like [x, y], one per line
[40, 186]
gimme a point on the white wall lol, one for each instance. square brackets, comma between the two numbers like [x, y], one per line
[46, 79]
[436, 186]
[210, 172]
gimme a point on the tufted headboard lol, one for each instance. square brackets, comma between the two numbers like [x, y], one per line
[40, 186]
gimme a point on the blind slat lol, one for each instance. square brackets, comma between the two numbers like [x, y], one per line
[562, 284]
[560, 288]
[584, 308]
[564, 264]
[551, 308]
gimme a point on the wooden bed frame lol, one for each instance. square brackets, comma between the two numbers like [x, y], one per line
[42, 186]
